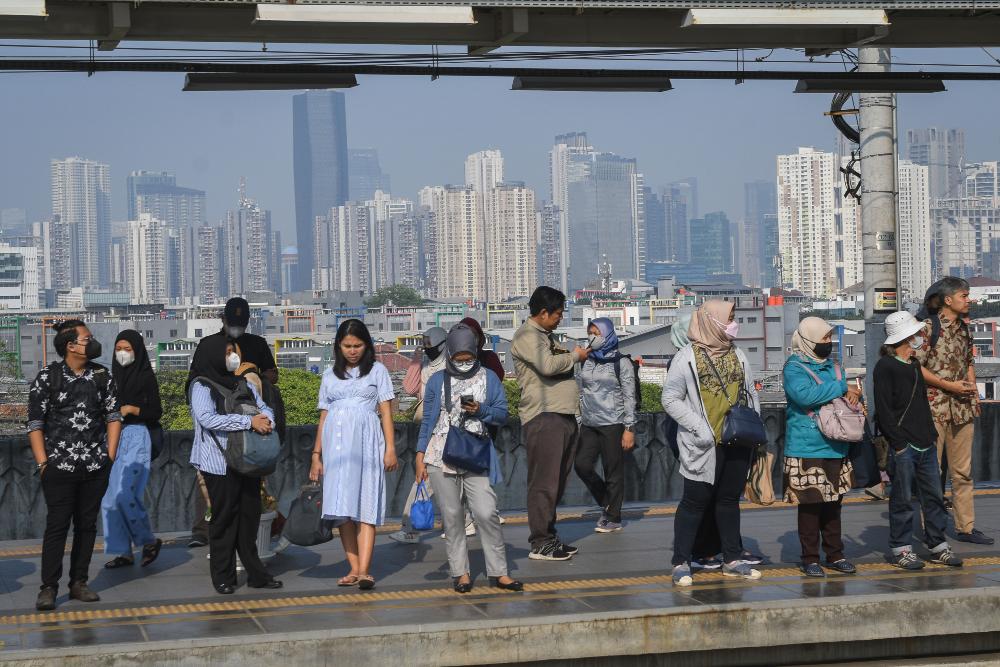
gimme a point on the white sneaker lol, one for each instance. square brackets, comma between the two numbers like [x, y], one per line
[470, 529]
[282, 544]
[405, 537]
[502, 520]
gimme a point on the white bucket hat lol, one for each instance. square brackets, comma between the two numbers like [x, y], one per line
[900, 326]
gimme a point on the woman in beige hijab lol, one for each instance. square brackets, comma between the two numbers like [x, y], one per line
[705, 380]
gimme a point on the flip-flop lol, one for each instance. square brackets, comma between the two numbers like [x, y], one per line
[366, 582]
[117, 562]
[151, 551]
[349, 580]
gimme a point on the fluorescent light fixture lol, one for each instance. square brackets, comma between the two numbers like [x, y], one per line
[818, 18]
[213, 81]
[881, 85]
[366, 14]
[23, 8]
[607, 84]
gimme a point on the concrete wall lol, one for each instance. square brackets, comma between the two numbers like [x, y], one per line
[650, 474]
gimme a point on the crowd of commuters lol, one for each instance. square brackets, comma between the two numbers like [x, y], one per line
[93, 433]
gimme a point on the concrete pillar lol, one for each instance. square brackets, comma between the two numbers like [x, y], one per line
[878, 204]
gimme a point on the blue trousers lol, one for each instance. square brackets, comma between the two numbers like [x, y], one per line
[912, 471]
[126, 523]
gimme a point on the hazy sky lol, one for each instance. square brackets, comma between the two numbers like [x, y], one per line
[719, 132]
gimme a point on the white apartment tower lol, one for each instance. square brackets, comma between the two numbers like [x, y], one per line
[484, 171]
[342, 250]
[146, 260]
[81, 197]
[18, 277]
[914, 254]
[511, 242]
[461, 258]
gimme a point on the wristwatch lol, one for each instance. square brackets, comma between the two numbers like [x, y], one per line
[630, 428]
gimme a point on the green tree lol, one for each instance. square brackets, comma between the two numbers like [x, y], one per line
[176, 415]
[395, 295]
[651, 397]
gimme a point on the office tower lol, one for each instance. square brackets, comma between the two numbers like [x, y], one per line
[81, 197]
[365, 175]
[770, 252]
[819, 228]
[142, 179]
[759, 200]
[712, 243]
[605, 195]
[964, 232]
[343, 254]
[511, 242]
[484, 171]
[914, 248]
[942, 151]
[319, 136]
[565, 145]
[656, 227]
[212, 278]
[248, 245]
[289, 262]
[146, 260]
[687, 190]
[56, 242]
[275, 265]
[675, 224]
[13, 222]
[181, 244]
[18, 277]
[550, 270]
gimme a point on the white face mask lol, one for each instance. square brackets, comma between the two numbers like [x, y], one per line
[597, 342]
[464, 366]
[232, 362]
[917, 342]
[124, 357]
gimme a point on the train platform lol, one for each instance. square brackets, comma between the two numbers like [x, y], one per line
[613, 602]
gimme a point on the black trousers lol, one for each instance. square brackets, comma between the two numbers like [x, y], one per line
[235, 502]
[550, 440]
[76, 497]
[817, 519]
[604, 442]
[732, 465]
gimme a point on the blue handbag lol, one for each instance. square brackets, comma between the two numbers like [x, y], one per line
[464, 449]
[422, 509]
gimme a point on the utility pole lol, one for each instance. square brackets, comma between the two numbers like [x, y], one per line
[878, 205]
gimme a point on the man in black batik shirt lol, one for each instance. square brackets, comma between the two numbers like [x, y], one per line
[73, 427]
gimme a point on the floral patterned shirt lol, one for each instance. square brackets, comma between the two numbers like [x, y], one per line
[74, 418]
[950, 359]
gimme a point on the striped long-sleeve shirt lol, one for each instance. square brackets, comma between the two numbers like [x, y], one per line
[205, 455]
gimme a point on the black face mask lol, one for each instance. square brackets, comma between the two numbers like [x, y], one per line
[823, 350]
[93, 349]
[432, 352]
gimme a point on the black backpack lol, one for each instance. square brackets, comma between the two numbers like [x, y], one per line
[635, 377]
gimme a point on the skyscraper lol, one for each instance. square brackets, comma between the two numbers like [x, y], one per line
[81, 197]
[484, 171]
[212, 278]
[319, 137]
[550, 269]
[365, 174]
[18, 277]
[565, 145]
[675, 223]
[343, 251]
[460, 238]
[942, 151]
[914, 254]
[712, 243]
[511, 241]
[656, 227]
[770, 252]
[759, 200]
[146, 270]
[57, 251]
[385, 216]
[248, 244]
[158, 194]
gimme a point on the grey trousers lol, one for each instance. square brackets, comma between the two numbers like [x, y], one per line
[482, 501]
[408, 505]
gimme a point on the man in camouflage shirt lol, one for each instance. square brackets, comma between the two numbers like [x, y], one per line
[951, 390]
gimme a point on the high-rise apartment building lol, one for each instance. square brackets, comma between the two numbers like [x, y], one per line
[511, 241]
[942, 151]
[319, 136]
[250, 256]
[819, 229]
[983, 180]
[385, 215]
[57, 252]
[343, 251]
[460, 239]
[964, 231]
[484, 171]
[158, 194]
[81, 197]
[146, 269]
[550, 270]
[365, 175]
[914, 248]
[212, 276]
[564, 146]
[759, 200]
[770, 252]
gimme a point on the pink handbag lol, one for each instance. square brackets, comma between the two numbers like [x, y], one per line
[838, 420]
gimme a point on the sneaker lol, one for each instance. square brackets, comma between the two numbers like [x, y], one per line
[812, 570]
[549, 551]
[282, 544]
[470, 529]
[46, 599]
[740, 569]
[568, 549]
[681, 576]
[976, 536]
[876, 493]
[605, 526]
[405, 537]
[711, 563]
[947, 504]
[197, 542]
[946, 557]
[908, 561]
[502, 520]
[239, 565]
[751, 558]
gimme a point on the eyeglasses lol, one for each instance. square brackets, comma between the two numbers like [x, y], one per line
[83, 341]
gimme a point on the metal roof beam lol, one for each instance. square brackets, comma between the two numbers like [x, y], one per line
[120, 20]
[511, 24]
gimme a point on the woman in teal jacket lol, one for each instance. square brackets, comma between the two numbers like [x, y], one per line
[817, 470]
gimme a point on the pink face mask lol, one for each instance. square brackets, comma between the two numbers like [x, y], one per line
[732, 330]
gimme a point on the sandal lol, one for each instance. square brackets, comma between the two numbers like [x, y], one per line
[349, 580]
[151, 551]
[366, 582]
[117, 562]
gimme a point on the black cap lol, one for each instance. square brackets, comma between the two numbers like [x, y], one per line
[237, 312]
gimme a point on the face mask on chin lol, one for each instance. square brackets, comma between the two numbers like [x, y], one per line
[232, 362]
[124, 357]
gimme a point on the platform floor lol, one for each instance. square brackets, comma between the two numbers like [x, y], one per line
[173, 599]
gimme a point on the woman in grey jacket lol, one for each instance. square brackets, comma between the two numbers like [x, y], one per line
[607, 406]
[704, 379]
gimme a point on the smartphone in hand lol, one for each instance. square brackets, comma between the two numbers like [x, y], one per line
[468, 399]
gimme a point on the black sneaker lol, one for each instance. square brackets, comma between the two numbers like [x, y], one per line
[976, 536]
[947, 504]
[569, 549]
[946, 557]
[907, 561]
[197, 542]
[46, 599]
[549, 551]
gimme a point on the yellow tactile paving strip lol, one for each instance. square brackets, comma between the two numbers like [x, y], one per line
[437, 596]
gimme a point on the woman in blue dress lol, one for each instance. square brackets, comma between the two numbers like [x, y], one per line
[355, 446]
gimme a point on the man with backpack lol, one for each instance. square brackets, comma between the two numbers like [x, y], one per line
[73, 425]
[947, 361]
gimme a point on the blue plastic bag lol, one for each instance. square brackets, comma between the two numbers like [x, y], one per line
[422, 510]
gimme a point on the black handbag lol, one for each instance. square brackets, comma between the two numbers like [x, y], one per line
[464, 449]
[742, 426]
[864, 460]
[305, 525]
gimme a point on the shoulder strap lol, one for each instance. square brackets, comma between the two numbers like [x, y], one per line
[916, 380]
[447, 393]
[618, 368]
[718, 377]
[813, 375]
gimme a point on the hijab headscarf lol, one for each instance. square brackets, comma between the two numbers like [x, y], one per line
[434, 338]
[607, 329]
[210, 362]
[487, 358]
[679, 331]
[811, 331]
[136, 380]
[462, 338]
[707, 328]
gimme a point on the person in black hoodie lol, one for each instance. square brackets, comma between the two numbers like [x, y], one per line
[126, 522]
[904, 417]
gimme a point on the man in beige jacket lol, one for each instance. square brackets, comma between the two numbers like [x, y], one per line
[550, 402]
